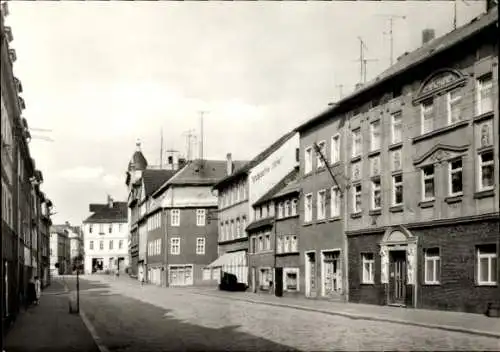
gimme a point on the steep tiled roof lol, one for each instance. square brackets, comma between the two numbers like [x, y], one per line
[266, 222]
[257, 160]
[60, 229]
[105, 214]
[411, 60]
[153, 179]
[291, 177]
[138, 160]
[193, 173]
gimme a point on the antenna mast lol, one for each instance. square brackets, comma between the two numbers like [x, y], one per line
[340, 86]
[161, 148]
[391, 34]
[201, 135]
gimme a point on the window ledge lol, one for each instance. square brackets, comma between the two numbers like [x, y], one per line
[439, 131]
[483, 116]
[494, 284]
[334, 218]
[283, 254]
[307, 224]
[321, 221]
[368, 283]
[426, 203]
[374, 152]
[454, 199]
[355, 158]
[485, 149]
[375, 212]
[395, 145]
[431, 284]
[356, 215]
[396, 208]
[484, 194]
[337, 163]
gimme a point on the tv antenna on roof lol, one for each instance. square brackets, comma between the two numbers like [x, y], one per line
[391, 33]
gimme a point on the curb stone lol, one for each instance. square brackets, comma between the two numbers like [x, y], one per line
[365, 317]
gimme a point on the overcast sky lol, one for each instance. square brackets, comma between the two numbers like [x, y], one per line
[102, 74]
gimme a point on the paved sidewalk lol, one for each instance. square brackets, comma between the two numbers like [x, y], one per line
[450, 321]
[49, 326]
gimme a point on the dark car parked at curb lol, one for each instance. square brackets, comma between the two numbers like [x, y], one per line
[229, 282]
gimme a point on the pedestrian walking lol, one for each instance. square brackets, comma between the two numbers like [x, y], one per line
[38, 289]
[31, 292]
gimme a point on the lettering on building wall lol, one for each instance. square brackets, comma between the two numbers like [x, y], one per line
[266, 170]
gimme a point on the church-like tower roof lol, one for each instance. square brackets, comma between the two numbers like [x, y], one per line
[138, 161]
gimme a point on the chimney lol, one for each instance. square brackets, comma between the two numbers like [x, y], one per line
[229, 164]
[110, 201]
[427, 35]
[358, 86]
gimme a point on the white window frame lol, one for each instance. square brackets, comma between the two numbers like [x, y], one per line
[335, 149]
[175, 245]
[436, 263]
[175, 217]
[451, 172]
[321, 204]
[279, 244]
[427, 177]
[395, 185]
[91, 245]
[484, 82]
[489, 256]
[294, 243]
[308, 160]
[396, 124]
[261, 243]
[452, 101]
[286, 208]
[482, 164]
[267, 241]
[368, 277]
[200, 245]
[280, 210]
[357, 142]
[308, 207]
[334, 202]
[427, 110]
[355, 193]
[319, 160]
[201, 217]
[375, 142]
[294, 206]
[376, 188]
[291, 270]
[238, 228]
[120, 244]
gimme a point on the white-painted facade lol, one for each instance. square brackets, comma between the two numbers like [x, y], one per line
[106, 244]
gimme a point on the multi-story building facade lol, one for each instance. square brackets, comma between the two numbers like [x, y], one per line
[76, 247]
[274, 237]
[183, 211]
[238, 191]
[420, 182]
[106, 238]
[19, 258]
[46, 223]
[59, 250]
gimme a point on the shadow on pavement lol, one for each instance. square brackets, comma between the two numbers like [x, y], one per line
[127, 324]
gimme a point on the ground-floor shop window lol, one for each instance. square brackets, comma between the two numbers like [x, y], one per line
[291, 279]
[206, 274]
[368, 266]
[265, 278]
[216, 274]
[487, 264]
[432, 266]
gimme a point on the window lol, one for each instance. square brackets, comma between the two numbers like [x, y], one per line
[101, 245]
[206, 274]
[427, 116]
[120, 227]
[261, 243]
[175, 245]
[485, 94]
[101, 228]
[454, 108]
[291, 280]
[455, 180]
[432, 266]
[287, 208]
[397, 189]
[335, 149]
[396, 160]
[268, 242]
[265, 278]
[396, 127]
[280, 210]
[308, 160]
[175, 217]
[91, 245]
[254, 244]
[279, 244]
[428, 182]
[321, 205]
[487, 265]
[233, 229]
[308, 208]
[356, 170]
[265, 211]
[486, 170]
[376, 194]
[356, 198]
[368, 266]
[294, 207]
[319, 159]
[375, 165]
[111, 244]
[244, 226]
[120, 244]
[90, 228]
[200, 217]
[293, 244]
[110, 228]
[356, 142]
[200, 245]
[335, 202]
[238, 228]
[375, 135]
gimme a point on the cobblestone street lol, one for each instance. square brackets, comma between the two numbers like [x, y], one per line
[128, 317]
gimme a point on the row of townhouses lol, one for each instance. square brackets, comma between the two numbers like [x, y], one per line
[66, 249]
[389, 197]
[25, 208]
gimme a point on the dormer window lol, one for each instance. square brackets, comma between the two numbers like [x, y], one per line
[454, 106]
[427, 111]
